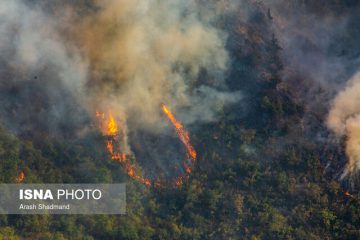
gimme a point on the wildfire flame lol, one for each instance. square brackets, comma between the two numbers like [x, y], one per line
[185, 139]
[182, 133]
[111, 131]
[20, 177]
[112, 127]
[349, 195]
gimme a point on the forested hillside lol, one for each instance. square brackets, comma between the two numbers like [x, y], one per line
[267, 166]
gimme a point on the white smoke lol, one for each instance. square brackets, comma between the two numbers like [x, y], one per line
[344, 120]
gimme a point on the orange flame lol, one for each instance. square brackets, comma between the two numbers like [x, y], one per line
[185, 139]
[349, 195]
[131, 169]
[183, 135]
[112, 128]
[20, 177]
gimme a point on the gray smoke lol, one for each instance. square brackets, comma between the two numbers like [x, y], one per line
[43, 76]
[127, 57]
[321, 55]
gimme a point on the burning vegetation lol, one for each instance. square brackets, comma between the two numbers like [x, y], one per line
[20, 177]
[185, 139]
[114, 133]
[263, 83]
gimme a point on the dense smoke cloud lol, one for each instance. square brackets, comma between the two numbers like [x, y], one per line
[144, 53]
[64, 60]
[124, 56]
[344, 120]
[42, 75]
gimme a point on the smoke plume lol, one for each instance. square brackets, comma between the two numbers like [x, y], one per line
[43, 76]
[124, 56]
[321, 58]
[145, 53]
[65, 61]
[344, 120]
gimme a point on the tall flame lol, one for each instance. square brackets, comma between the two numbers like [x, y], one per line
[112, 128]
[185, 139]
[181, 131]
[111, 131]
